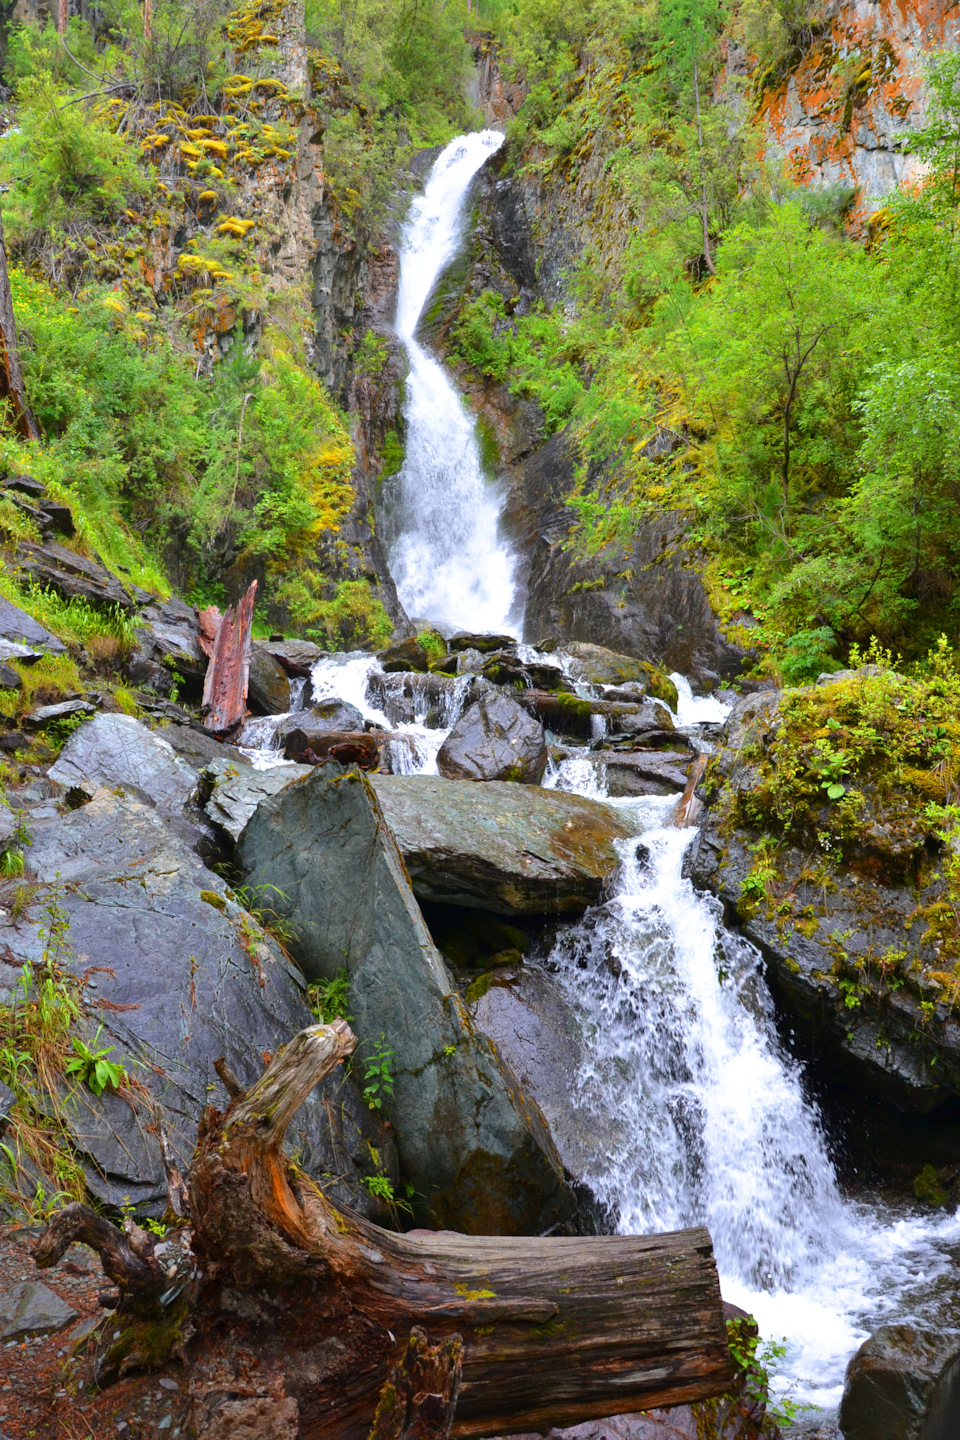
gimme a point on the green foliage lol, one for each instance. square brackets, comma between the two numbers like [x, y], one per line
[352, 619]
[330, 999]
[90, 1065]
[65, 163]
[754, 1364]
[378, 1075]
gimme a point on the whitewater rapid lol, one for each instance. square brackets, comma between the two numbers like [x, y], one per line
[448, 558]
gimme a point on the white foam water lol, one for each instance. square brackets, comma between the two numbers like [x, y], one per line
[711, 1121]
[351, 677]
[448, 560]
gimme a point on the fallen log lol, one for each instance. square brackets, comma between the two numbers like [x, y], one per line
[225, 684]
[573, 715]
[304, 1320]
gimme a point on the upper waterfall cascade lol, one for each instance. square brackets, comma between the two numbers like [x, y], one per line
[448, 559]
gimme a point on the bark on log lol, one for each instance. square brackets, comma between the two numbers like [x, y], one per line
[228, 674]
[554, 1331]
[11, 376]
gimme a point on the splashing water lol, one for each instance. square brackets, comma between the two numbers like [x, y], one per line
[700, 1118]
[448, 561]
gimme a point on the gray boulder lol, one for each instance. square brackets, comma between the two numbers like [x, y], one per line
[516, 850]
[297, 657]
[599, 666]
[479, 1157]
[177, 975]
[18, 627]
[524, 1013]
[235, 791]
[405, 655]
[321, 718]
[117, 750]
[197, 746]
[269, 687]
[903, 1384]
[168, 640]
[496, 739]
[32, 1309]
[484, 643]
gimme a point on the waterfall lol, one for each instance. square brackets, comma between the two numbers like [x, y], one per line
[448, 561]
[700, 1118]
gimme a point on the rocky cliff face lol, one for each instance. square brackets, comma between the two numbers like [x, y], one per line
[853, 84]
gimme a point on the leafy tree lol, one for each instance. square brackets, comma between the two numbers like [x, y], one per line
[687, 33]
[761, 341]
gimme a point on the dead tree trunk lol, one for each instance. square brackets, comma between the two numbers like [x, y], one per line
[11, 376]
[321, 1322]
[228, 674]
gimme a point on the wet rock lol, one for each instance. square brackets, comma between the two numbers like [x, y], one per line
[525, 1014]
[116, 750]
[54, 567]
[268, 690]
[31, 495]
[46, 714]
[407, 654]
[643, 598]
[432, 700]
[9, 679]
[197, 746]
[903, 1384]
[504, 668]
[185, 975]
[234, 792]
[635, 772]
[645, 719]
[306, 746]
[18, 627]
[479, 1157]
[484, 643]
[7, 1101]
[494, 740]
[515, 850]
[322, 717]
[297, 657]
[32, 1309]
[599, 666]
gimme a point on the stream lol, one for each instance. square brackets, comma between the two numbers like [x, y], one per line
[699, 1113]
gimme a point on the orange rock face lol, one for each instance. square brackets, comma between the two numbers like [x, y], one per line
[860, 84]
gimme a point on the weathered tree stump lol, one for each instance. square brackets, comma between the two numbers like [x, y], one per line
[228, 674]
[296, 1314]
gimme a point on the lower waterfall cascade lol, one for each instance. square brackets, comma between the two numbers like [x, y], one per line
[700, 1114]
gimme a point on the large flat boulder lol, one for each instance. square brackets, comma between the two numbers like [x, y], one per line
[513, 849]
[496, 739]
[479, 1156]
[116, 750]
[177, 975]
